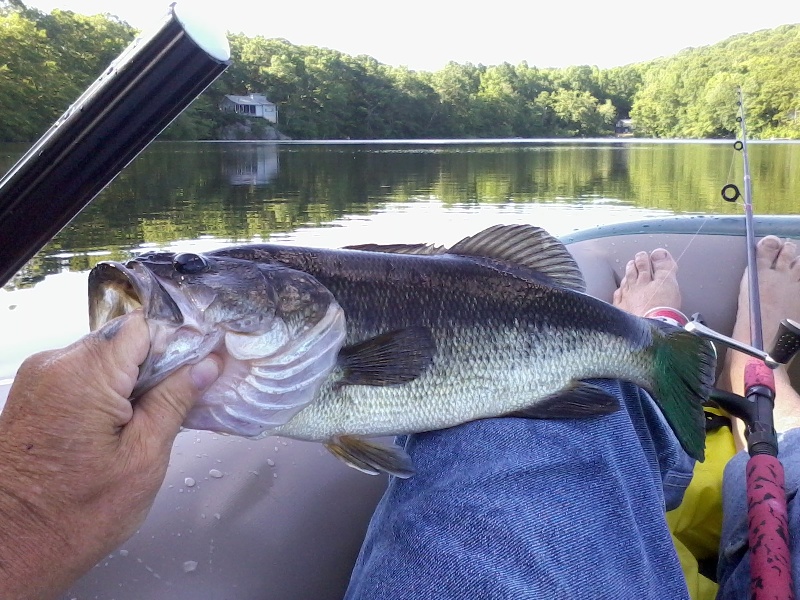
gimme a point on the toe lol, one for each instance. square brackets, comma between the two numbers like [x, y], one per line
[795, 266]
[644, 268]
[631, 274]
[787, 256]
[767, 251]
[663, 263]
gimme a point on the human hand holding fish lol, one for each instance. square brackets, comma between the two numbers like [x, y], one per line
[337, 346]
[80, 464]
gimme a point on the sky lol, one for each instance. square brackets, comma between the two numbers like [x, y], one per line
[427, 34]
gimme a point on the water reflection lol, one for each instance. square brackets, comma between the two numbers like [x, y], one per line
[235, 192]
[255, 164]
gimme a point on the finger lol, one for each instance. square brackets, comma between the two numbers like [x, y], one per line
[88, 383]
[158, 414]
[117, 349]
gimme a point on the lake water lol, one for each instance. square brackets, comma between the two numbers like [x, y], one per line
[200, 196]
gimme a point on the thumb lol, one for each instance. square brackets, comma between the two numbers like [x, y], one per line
[160, 412]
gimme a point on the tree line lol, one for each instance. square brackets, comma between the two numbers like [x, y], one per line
[47, 60]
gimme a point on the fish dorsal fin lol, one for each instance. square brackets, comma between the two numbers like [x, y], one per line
[527, 246]
[391, 358]
[372, 457]
[418, 249]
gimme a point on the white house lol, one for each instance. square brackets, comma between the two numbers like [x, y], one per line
[254, 105]
[624, 127]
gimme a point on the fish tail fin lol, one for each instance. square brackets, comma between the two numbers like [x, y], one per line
[683, 377]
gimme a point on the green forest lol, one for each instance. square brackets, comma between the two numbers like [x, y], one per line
[47, 60]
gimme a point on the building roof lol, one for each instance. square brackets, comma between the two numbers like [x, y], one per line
[255, 99]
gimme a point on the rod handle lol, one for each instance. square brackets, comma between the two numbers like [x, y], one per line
[768, 520]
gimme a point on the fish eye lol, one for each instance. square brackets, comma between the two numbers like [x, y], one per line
[187, 263]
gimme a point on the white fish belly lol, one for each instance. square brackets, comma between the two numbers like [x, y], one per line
[470, 379]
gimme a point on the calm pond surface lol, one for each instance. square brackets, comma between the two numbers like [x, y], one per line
[201, 196]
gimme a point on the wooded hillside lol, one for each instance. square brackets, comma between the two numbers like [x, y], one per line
[47, 60]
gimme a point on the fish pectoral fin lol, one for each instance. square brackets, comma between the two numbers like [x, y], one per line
[578, 401]
[372, 457]
[418, 249]
[388, 359]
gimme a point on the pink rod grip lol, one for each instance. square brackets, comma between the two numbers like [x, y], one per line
[757, 373]
[768, 523]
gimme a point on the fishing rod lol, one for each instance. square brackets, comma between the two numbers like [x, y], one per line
[768, 523]
[768, 520]
[154, 79]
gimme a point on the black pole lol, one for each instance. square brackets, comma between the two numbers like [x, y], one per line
[134, 99]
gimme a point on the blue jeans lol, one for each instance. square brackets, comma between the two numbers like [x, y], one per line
[523, 508]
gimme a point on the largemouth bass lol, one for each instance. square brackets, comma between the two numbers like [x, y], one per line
[497, 325]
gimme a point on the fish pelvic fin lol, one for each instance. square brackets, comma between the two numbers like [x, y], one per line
[526, 246]
[577, 401]
[371, 457]
[683, 377]
[391, 358]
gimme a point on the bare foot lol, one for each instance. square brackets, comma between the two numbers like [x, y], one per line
[650, 281]
[779, 289]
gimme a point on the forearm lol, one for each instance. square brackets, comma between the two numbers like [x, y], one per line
[35, 563]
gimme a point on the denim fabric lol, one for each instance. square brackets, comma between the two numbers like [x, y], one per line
[734, 561]
[524, 508]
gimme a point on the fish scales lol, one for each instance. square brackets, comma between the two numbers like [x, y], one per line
[501, 341]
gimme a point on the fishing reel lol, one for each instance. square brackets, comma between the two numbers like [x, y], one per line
[760, 433]
[785, 346]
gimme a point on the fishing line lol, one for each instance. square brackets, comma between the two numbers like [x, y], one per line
[730, 191]
[731, 167]
[672, 270]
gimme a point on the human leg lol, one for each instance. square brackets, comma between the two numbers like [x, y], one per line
[649, 287]
[525, 509]
[779, 288]
[779, 291]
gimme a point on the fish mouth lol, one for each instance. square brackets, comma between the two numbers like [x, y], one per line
[116, 289]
